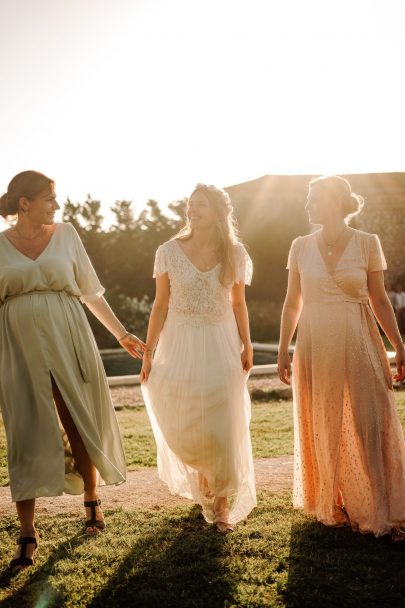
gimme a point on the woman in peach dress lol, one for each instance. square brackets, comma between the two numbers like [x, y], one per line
[349, 446]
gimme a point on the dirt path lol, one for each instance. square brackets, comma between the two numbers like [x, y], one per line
[144, 489]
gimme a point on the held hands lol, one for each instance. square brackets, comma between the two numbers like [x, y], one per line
[247, 358]
[284, 367]
[400, 362]
[133, 345]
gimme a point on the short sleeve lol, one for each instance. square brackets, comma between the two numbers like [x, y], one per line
[160, 266]
[85, 275]
[292, 263]
[243, 266]
[376, 258]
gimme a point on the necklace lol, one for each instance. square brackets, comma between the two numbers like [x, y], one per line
[330, 246]
[202, 258]
[28, 238]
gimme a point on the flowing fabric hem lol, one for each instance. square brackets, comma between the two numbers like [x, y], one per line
[353, 525]
[54, 493]
[207, 504]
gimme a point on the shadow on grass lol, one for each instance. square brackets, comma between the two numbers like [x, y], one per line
[180, 565]
[337, 567]
[36, 591]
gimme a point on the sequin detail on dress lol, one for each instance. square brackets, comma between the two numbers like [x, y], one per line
[349, 445]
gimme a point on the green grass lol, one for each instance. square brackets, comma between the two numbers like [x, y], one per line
[272, 435]
[171, 558]
[271, 429]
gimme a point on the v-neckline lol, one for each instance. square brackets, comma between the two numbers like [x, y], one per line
[341, 257]
[190, 262]
[27, 257]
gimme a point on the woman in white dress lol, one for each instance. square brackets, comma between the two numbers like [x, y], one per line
[194, 384]
[49, 358]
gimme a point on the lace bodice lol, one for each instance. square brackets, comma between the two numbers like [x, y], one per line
[198, 297]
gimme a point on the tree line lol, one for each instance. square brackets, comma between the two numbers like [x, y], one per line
[123, 258]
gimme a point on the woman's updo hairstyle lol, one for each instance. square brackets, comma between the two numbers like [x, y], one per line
[337, 186]
[27, 184]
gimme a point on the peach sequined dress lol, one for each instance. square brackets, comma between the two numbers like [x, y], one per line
[348, 438]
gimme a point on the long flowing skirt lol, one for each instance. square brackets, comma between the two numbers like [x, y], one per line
[199, 408]
[42, 335]
[349, 445]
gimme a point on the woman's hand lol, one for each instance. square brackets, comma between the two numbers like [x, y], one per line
[133, 345]
[400, 362]
[284, 367]
[146, 367]
[247, 357]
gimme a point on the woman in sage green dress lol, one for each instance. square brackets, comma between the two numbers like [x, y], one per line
[49, 358]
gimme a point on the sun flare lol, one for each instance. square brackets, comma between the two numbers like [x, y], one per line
[142, 100]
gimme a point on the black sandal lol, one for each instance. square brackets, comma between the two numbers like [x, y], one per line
[93, 522]
[23, 560]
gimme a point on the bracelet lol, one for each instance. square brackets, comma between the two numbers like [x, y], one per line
[124, 336]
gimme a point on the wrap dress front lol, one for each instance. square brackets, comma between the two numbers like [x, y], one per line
[349, 445]
[44, 332]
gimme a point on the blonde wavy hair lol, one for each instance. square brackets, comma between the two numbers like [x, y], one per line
[226, 230]
[338, 186]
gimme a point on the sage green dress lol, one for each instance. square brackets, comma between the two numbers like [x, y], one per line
[44, 331]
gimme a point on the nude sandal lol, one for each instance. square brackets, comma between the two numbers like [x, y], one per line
[221, 520]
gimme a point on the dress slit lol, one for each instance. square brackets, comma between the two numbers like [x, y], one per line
[73, 481]
[40, 307]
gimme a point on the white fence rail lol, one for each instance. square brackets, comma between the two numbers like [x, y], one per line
[257, 370]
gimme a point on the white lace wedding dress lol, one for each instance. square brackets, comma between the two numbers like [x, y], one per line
[196, 394]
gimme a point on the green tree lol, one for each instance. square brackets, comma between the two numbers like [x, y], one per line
[124, 216]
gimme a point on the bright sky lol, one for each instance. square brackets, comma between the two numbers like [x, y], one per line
[141, 99]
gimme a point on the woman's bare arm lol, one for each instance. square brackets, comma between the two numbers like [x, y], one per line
[384, 313]
[289, 320]
[242, 320]
[156, 321]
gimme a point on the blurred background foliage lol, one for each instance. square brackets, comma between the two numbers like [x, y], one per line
[123, 257]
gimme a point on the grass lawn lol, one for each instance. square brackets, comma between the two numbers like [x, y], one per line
[271, 429]
[272, 435]
[171, 558]
[168, 557]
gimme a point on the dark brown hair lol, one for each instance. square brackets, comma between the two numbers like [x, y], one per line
[28, 184]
